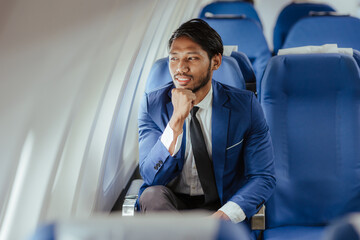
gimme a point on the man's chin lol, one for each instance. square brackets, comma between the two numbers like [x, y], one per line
[194, 90]
[177, 85]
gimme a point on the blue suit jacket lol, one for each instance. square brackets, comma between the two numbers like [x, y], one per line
[242, 151]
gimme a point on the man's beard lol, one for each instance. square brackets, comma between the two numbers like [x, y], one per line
[203, 81]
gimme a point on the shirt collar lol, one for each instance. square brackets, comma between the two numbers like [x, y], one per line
[206, 102]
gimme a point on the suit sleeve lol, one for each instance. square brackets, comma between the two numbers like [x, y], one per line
[157, 166]
[258, 163]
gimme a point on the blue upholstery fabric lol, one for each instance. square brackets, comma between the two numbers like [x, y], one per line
[232, 8]
[294, 233]
[290, 15]
[229, 73]
[249, 38]
[319, 30]
[312, 106]
[245, 66]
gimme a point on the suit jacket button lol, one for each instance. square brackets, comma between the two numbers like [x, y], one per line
[156, 167]
[161, 162]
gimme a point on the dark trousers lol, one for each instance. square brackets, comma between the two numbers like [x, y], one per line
[161, 198]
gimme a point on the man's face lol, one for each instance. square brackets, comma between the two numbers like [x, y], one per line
[189, 65]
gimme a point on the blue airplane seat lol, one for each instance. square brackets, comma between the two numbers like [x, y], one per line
[245, 66]
[289, 15]
[161, 226]
[248, 36]
[346, 228]
[312, 106]
[235, 8]
[319, 30]
[229, 73]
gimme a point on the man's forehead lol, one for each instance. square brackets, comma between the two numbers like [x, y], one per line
[188, 47]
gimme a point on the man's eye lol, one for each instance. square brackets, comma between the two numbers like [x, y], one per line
[173, 59]
[192, 58]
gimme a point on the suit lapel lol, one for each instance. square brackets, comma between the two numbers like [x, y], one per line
[220, 122]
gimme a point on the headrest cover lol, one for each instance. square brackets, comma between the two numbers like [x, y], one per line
[326, 48]
[211, 15]
[228, 49]
[327, 13]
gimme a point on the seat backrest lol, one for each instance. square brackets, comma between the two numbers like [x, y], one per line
[312, 106]
[290, 15]
[319, 30]
[228, 73]
[231, 8]
[248, 36]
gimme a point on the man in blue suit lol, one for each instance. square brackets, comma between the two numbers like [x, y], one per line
[202, 144]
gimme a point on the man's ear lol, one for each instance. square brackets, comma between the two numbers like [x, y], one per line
[216, 61]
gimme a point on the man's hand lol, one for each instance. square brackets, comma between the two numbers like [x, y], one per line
[221, 215]
[183, 102]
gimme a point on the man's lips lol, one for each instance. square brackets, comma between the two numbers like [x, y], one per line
[183, 79]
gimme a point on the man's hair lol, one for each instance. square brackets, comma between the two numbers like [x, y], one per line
[200, 32]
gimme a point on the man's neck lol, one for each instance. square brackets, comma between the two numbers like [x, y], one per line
[201, 94]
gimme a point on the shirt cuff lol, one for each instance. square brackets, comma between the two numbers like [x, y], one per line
[233, 211]
[167, 138]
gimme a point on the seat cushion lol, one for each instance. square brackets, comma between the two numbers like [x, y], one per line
[294, 233]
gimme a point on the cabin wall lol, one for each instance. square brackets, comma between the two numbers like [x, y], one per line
[72, 75]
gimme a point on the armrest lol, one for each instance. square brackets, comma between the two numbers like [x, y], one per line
[128, 207]
[258, 220]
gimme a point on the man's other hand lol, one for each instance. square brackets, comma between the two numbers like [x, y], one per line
[221, 215]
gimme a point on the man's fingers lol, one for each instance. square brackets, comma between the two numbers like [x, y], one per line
[183, 92]
[183, 101]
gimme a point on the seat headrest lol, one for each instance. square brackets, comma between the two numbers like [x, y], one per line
[315, 70]
[342, 30]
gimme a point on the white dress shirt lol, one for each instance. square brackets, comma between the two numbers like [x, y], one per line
[188, 181]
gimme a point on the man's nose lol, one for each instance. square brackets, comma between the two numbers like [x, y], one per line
[182, 67]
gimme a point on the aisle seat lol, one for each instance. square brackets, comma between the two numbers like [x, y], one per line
[312, 106]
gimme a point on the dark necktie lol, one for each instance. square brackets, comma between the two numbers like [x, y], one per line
[202, 160]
